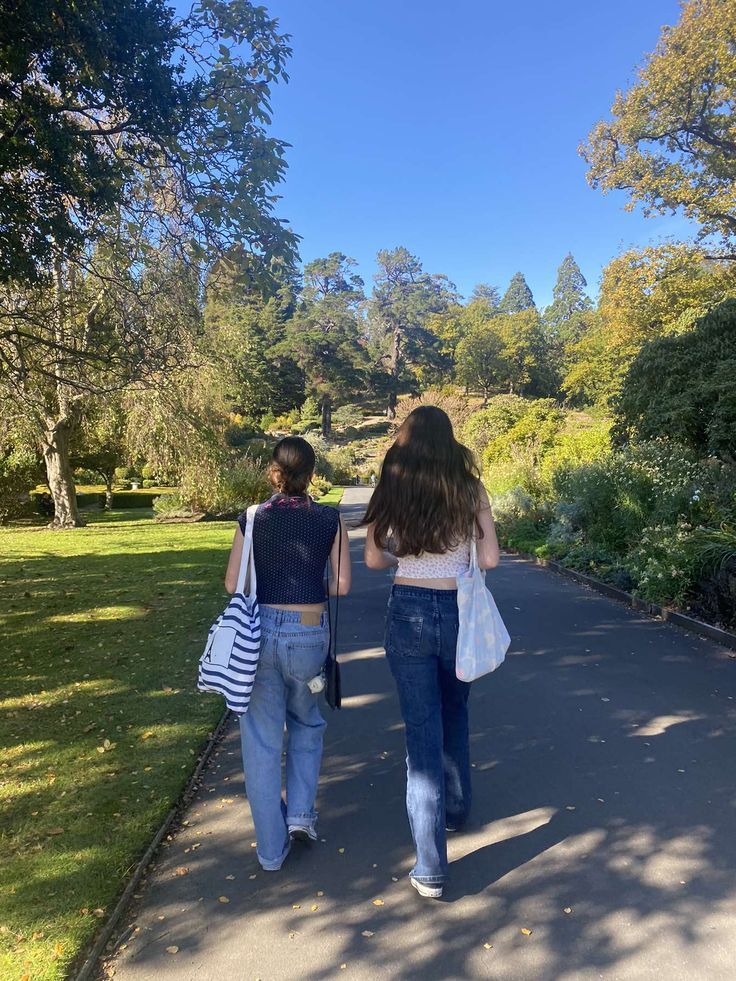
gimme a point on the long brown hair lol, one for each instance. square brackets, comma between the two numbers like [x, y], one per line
[427, 495]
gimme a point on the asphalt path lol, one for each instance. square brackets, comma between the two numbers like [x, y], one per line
[604, 818]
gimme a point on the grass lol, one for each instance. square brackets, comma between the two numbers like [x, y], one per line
[100, 723]
[333, 496]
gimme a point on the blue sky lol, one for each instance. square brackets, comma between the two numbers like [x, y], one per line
[452, 129]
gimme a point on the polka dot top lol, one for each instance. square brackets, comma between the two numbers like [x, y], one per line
[292, 538]
[430, 565]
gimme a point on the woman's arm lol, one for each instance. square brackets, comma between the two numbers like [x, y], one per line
[233, 565]
[488, 550]
[340, 579]
[375, 557]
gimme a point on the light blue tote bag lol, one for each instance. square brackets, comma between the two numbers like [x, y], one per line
[228, 665]
[482, 639]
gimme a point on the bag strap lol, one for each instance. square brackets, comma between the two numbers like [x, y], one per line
[473, 554]
[332, 648]
[247, 561]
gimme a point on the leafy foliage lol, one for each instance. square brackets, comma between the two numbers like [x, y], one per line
[670, 143]
[684, 387]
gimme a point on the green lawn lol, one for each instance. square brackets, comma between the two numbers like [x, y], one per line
[333, 496]
[100, 722]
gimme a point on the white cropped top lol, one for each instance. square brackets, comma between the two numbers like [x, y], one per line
[432, 565]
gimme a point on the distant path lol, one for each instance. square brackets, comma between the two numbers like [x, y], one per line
[605, 784]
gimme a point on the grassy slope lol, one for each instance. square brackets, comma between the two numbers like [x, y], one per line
[100, 631]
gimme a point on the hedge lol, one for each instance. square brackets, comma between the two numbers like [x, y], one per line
[121, 500]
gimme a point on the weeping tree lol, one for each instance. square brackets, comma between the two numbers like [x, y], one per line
[118, 305]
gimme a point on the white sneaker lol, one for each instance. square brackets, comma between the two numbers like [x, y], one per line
[298, 832]
[424, 889]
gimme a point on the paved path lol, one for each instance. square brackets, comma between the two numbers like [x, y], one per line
[605, 808]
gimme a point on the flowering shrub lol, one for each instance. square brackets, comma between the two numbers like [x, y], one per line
[665, 564]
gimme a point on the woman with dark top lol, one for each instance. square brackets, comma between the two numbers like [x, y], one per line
[293, 539]
[427, 506]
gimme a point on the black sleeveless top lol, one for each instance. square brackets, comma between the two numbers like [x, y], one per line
[292, 539]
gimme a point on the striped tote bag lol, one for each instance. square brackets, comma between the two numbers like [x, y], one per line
[228, 665]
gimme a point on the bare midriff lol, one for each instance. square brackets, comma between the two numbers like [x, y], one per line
[426, 583]
[297, 607]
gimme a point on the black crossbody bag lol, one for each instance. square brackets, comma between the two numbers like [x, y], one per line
[333, 684]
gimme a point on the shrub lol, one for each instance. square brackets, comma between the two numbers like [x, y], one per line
[513, 503]
[457, 407]
[501, 413]
[19, 471]
[319, 487]
[342, 462]
[347, 415]
[240, 434]
[224, 487]
[619, 495]
[665, 564]
[171, 506]
[310, 411]
[267, 421]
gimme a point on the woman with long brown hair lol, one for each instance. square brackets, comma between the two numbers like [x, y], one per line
[294, 538]
[425, 510]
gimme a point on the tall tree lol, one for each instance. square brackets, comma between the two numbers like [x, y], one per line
[568, 316]
[325, 336]
[518, 296]
[671, 144]
[119, 311]
[479, 361]
[404, 297]
[76, 79]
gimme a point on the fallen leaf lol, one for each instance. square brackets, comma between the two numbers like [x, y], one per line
[56, 831]
[181, 870]
[526, 932]
[224, 899]
[569, 807]
[367, 933]
[146, 735]
[320, 893]
[394, 879]
[343, 966]
[99, 913]
[488, 946]
[378, 902]
[315, 907]
[172, 950]
[567, 909]
[341, 850]
[252, 876]
[296, 906]
[230, 877]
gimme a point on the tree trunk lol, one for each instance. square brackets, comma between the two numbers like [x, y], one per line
[393, 392]
[55, 445]
[326, 416]
[108, 491]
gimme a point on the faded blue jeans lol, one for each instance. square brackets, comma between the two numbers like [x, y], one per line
[421, 637]
[291, 654]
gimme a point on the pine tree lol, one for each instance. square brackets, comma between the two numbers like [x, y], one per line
[518, 296]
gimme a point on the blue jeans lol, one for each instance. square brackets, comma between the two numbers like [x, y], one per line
[291, 654]
[421, 636]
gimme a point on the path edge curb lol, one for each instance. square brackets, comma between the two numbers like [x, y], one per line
[720, 636]
[103, 937]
